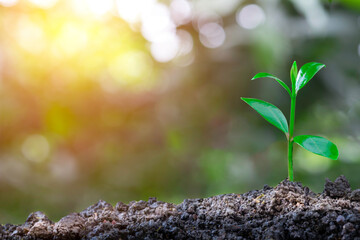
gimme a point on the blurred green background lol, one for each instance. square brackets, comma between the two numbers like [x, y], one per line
[124, 100]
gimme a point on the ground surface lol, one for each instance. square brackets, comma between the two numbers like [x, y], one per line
[287, 211]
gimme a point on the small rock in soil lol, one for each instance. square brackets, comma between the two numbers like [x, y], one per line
[337, 189]
[69, 227]
[355, 195]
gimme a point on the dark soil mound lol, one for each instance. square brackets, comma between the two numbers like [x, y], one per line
[288, 211]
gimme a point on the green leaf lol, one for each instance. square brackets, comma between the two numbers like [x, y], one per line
[262, 75]
[306, 73]
[293, 72]
[318, 145]
[271, 113]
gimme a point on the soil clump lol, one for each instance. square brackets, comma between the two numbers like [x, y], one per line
[287, 211]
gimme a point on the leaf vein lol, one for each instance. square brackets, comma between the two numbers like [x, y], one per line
[277, 118]
[320, 151]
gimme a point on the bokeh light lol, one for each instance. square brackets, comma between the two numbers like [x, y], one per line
[157, 23]
[30, 36]
[130, 69]
[250, 16]
[181, 11]
[186, 42]
[203, 18]
[36, 148]
[212, 35]
[166, 49]
[70, 40]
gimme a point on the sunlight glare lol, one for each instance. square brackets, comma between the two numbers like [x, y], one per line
[131, 11]
[165, 50]
[78, 6]
[8, 3]
[71, 40]
[88, 8]
[100, 7]
[131, 68]
[44, 3]
[30, 36]
[159, 28]
[157, 23]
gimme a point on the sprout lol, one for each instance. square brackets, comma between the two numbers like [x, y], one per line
[272, 114]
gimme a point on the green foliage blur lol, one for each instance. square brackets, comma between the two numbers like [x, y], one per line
[101, 100]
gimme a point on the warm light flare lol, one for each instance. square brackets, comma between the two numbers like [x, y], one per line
[8, 3]
[70, 40]
[131, 69]
[30, 35]
[44, 3]
[100, 7]
[73, 44]
[131, 11]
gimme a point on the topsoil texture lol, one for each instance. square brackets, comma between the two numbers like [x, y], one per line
[287, 211]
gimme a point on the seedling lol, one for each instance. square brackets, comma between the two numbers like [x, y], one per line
[318, 145]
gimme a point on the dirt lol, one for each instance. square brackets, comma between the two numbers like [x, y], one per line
[287, 211]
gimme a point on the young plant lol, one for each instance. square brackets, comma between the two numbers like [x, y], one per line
[272, 114]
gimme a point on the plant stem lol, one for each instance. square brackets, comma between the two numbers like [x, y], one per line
[291, 136]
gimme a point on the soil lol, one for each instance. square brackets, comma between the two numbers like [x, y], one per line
[287, 211]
